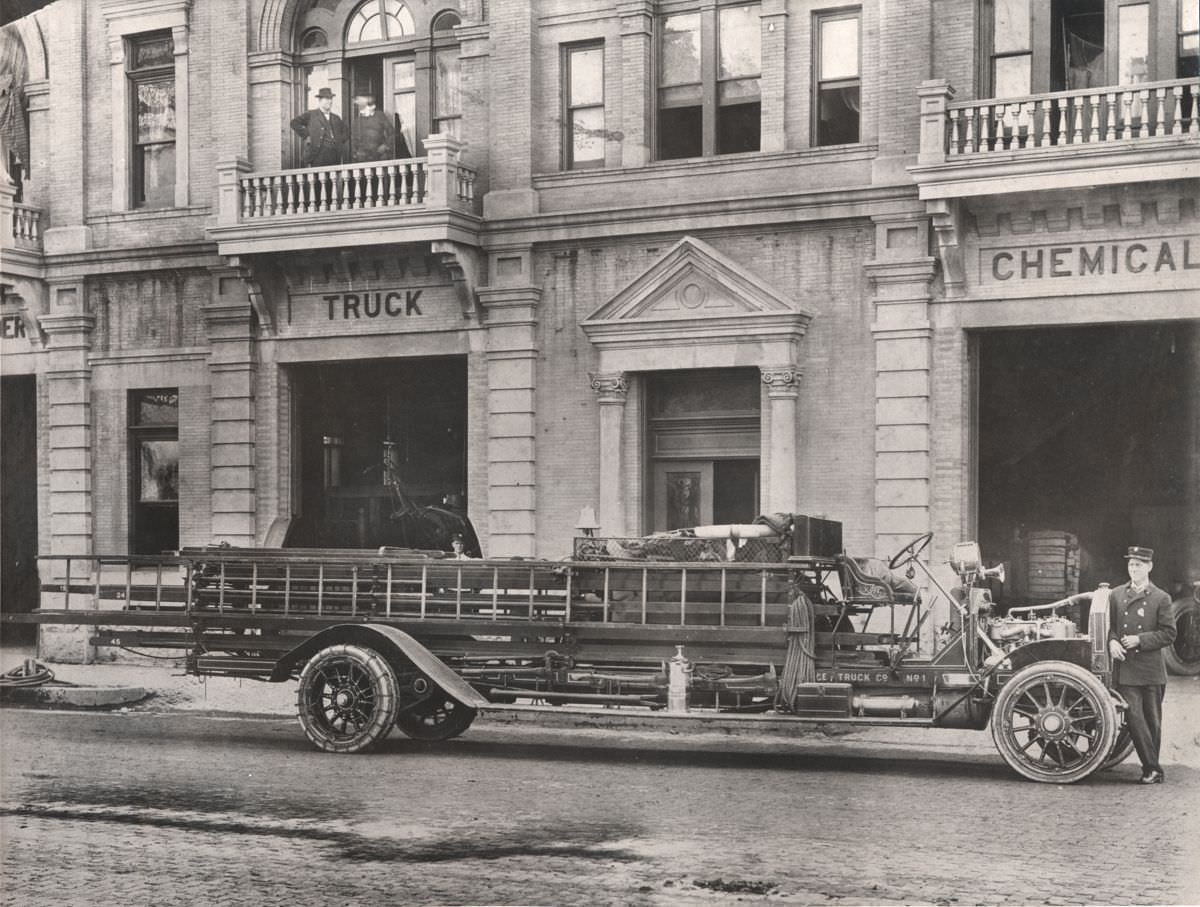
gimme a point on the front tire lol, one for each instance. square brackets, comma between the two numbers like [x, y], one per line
[1054, 722]
[348, 699]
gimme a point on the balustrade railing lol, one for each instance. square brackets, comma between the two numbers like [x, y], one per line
[341, 188]
[1092, 116]
[26, 226]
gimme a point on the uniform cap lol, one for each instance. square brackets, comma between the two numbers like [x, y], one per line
[1141, 554]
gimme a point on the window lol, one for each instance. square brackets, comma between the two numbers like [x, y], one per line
[151, 70]
[1188, 63]
[1039, 46]
[447, 93]
[154, 470]
[379, 20]
[837, 83]
[708, 97]
[583, 95]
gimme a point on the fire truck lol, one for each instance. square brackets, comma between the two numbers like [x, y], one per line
[738, 621]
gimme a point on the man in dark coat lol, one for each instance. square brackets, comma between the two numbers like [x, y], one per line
[371, 132]
[1141, 624]
[323, 132]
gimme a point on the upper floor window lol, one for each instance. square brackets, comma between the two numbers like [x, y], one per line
[379, 20]
[1070, 45]
[837, 80]
[708, 89]
[1188, 63]
[583, 99]
[151, 71]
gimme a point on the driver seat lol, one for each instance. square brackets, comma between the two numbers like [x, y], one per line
[870, 578]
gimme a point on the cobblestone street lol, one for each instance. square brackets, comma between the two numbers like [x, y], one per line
[184, 809]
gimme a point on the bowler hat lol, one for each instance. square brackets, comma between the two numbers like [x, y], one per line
[1142, 554]
[325, 93]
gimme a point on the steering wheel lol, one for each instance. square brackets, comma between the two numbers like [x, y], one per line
[911, 551]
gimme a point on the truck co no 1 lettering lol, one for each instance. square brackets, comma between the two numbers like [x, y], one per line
[372, 305]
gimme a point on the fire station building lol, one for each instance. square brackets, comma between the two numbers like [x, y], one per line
[909, 264]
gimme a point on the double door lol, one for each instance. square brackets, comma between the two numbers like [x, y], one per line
[392, 82]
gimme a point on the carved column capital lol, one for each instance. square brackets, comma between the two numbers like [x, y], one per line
[612, 387]
[782, 380]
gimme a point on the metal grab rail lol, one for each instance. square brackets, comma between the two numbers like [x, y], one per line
[364, 584]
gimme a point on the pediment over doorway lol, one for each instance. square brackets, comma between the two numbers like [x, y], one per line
[695, 296]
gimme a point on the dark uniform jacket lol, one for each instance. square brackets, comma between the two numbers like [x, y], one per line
[324, 138]
[372, 136]
[1150, 616]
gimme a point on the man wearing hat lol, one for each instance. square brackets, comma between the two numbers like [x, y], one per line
[371, 132]
[1141, 623]
[323, 132]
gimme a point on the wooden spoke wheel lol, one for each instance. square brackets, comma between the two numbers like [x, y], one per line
[437, 718]
[1183, 656]
[348, 699]
[1055, 722]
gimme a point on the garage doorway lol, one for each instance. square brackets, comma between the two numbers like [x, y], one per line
[1083, 443]
[346, 416]
[18, 491]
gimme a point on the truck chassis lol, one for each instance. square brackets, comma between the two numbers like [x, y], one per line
[411, 639]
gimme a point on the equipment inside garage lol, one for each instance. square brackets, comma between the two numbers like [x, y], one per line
[350, 416]
[1087, 444]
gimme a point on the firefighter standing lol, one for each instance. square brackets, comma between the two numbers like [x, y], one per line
[1141, 624]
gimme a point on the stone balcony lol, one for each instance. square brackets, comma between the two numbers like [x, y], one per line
[1060, 140]
[428, 199]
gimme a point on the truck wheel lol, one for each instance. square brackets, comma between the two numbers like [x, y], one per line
[1183, 656]
[1054, 722]
[1124, 745]
[437, 718]
[348, 699]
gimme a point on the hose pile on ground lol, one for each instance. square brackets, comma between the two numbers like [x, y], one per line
[30, 674]
[800, 662]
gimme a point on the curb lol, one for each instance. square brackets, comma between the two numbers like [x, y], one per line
[59, 696]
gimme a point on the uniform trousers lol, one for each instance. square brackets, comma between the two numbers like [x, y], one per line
[1145, 721]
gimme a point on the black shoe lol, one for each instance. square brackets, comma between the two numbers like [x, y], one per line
[1153, 777]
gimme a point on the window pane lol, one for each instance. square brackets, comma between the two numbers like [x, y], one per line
[1010, 77]
[447, 96]
[1084, 38]
[737, 90]
[156, 408]
[1011, 26]
[404, 112]
[839, 49]
[404, 74]
[740, 41]
[365, 28]
[156, 51]
[739, 128]
[159, 470]
[1133, 44]
[679, 132]
[587, 135]
[315, 78]
[156, 172]
[837, 116]
[587, 76]
[681, 49]
[1189, 15]
[156, 111]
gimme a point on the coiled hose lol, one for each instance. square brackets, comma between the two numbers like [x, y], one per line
[800, 662]
[30, 674]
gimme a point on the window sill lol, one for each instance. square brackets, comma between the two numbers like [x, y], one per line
[721, 164]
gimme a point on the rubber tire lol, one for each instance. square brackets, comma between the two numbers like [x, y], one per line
[1082, 681]
[373, 676]
[440, 717]
[1124, 745]
[1187, 612]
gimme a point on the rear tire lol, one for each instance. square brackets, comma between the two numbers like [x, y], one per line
[348, 699]
[1124, 745]
[1054, 722]
[437, 718]
[1183, 655]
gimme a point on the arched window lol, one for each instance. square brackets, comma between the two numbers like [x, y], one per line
[446, 21]
[379, 20]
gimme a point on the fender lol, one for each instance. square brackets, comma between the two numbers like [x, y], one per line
[1076, 651]
[393, 644]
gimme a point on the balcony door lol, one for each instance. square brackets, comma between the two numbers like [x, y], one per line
[392, 81]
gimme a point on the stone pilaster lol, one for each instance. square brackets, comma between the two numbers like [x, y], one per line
[783, 394]
[68, 378]
[612, 391]
[901, 275]
[232, 365]
[512, 418]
